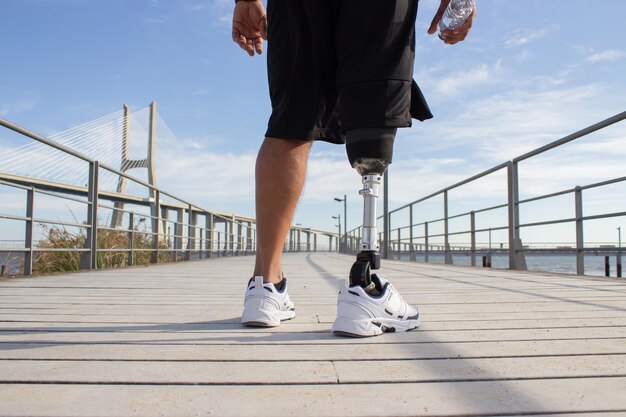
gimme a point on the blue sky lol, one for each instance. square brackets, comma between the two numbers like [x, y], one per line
[530, 72]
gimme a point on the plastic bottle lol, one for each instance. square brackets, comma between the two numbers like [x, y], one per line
[456, 14]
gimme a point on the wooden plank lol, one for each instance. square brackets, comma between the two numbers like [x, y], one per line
[160, 372]
[233, 323]
[448, 398]
[232, 349]
[481, 369]
[311, 372]
[510, 317]
[315, 333]
[451, 308]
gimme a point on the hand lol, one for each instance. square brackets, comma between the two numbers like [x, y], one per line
[450, 37]
[250, 26]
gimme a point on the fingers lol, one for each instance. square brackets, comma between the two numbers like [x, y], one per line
[263, 27]
[258, 45]
[435, 22]
[243, 42]
[258, 41]
[249, 26]
[250, 45]
[450, 37]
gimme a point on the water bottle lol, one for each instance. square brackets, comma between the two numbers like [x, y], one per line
[456, 14]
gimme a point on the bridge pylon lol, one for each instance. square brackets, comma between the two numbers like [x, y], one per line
[127, 164]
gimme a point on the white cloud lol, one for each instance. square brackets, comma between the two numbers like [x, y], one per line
[458, 82]
[220, 12]
[329, 174]
[609, 55]
[207, 178]
[522, 37]
[18, 106]
[503, 126]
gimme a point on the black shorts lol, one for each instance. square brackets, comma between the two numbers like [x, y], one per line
[336, 65]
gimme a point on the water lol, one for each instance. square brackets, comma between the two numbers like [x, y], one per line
[457, 12]
[564, 264]
[13, 261]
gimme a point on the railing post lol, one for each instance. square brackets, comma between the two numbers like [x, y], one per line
[426, 248]
[191, 232]
[412, 255]
[233, 242]
[165, 214]
[618, 262]
[240, 239]
[178, 233]
[580, 242]
[386, 216]
[248, 237]
[399, 243]
[88, 259]
[512, 202]
[209, 234]
[227, 235]
[199, 238]
[28, 238]
[196, 238]
[473, 237]
[156, 222]
[446, 237]
[131, 239]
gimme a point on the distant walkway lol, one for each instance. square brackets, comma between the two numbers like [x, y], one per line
[166, 340]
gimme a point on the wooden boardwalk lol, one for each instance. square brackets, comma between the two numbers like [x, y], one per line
[166, 340]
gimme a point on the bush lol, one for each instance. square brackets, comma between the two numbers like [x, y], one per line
[50, 260]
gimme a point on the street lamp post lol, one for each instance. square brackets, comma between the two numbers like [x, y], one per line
[345, 221]
[338, 218]
[619, 252]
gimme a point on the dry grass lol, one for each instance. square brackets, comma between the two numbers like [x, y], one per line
[51, 260]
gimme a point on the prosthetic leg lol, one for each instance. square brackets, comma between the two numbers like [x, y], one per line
[370, 152]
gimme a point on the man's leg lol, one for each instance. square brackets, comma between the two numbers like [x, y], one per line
[280, 173]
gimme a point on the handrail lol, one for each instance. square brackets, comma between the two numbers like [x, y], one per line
[458, 184]
[237, 237]
[39, 138]
[576, 135]
[398, 235]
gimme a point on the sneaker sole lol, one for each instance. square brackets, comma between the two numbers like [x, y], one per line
[266, 321]
[344, 326]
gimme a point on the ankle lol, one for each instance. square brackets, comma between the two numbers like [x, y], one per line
[274, 279]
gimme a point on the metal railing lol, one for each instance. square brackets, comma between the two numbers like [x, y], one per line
[416, 239]
[194, 233]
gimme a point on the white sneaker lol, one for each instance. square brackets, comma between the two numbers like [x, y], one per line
[265, 306]
[360, 314]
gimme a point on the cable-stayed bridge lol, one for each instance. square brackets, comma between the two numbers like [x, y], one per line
[107, 166]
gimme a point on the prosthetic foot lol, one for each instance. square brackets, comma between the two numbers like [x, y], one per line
[369, 305]
[368, 258]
